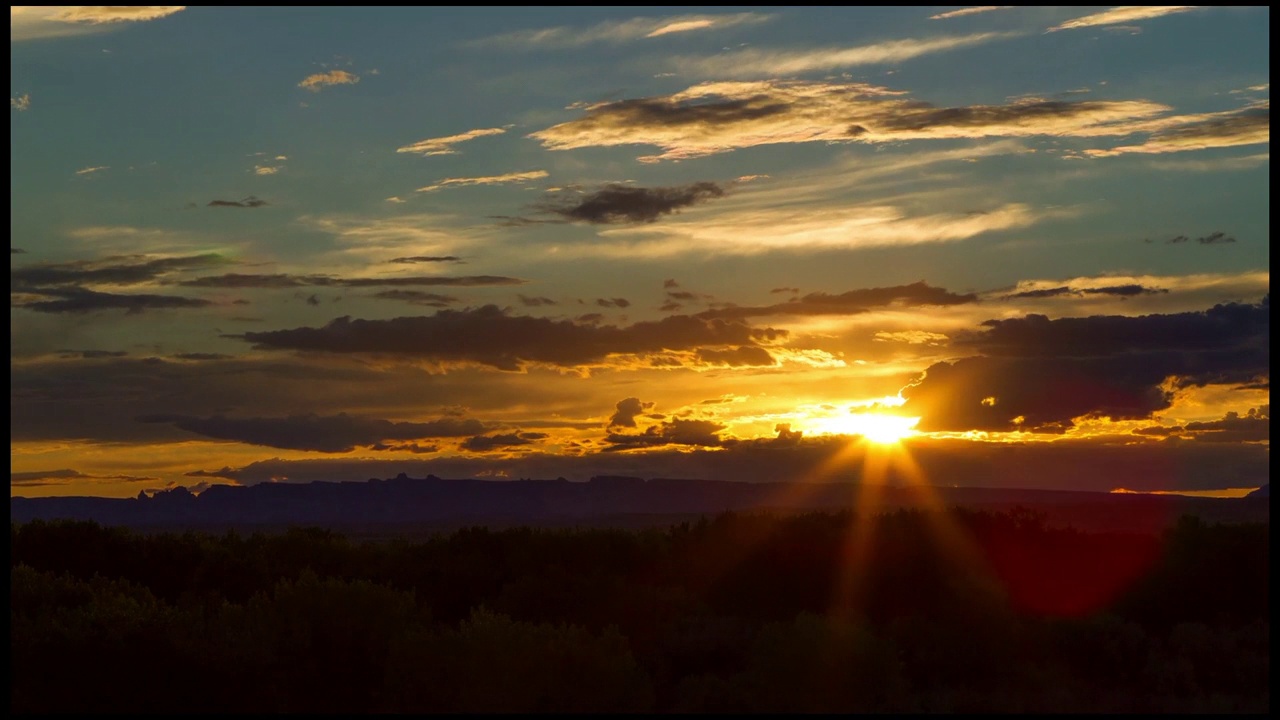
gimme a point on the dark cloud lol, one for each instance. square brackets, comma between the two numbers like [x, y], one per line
[236, 280]
[528, 301]
[1039, 374]
[80, 300]
[200, 356]
[331, 434]
[1215, 238]
[669, 283]
[39, 478]
[618, 204]
[417, 297]
[1253, 426]
[613, 302]
[1220, 327]
[674, 432]
[1123, 291]
[490, 336]
[426, 259]
[248, 202]
[1066, 464]
[313, 300]
[746, 356]
[91, 354]
[626, 411]
[127, 270]
[416, 448]
[17, 251]
[848, 303]
[485, 443]
[791, 290]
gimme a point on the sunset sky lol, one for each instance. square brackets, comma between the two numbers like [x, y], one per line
[281, 244]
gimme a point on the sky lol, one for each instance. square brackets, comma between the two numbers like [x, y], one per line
[1000, 246]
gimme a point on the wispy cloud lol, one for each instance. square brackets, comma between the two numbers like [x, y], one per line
[514, 177]
[319, 81]
[33, 22]
[92, 170]
[97, 14]
[969, 11]
[721, 116]
[749, 232]
[1251, 126]
[444, 145]
[22, 103]
[775, 63]
[1122, 14]
[618, 31]
[1219, 164]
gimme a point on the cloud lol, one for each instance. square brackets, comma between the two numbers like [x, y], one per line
[415, 448]
[96, 14]
[1040, 375]
[66, 476]
[22, 103]
[1124, 14]
[673, 432]
[91, 354]
[1248, 162]
[911, 337]
[625, 412]
[91, 170]
[1063, 465]
[918, 294]
[721, 116]
[266, 169]
[747, 356]
[444, 145]
[80, 300]
[126, 270]
[1253, 426]
[31, 22]
[617, 31]
[514, 177]
[613, 302]
[17, 251]
[417, 297]
[969, 11]
[489, 336]
[528, 301]
[282, 280]
[319, 81]
[1215, 238]
[483, 443]
[201, 357]
[1251, 126]
[330, 434]
[617, 203]
[1123, 291]
[777, 63]
[749, 231]
[425, 259]
[248, 202]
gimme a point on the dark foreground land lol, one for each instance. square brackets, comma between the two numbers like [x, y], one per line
[826, 612]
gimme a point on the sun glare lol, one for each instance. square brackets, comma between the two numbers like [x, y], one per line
[878, 428]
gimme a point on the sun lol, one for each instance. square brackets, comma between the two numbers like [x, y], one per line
[879, 428]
